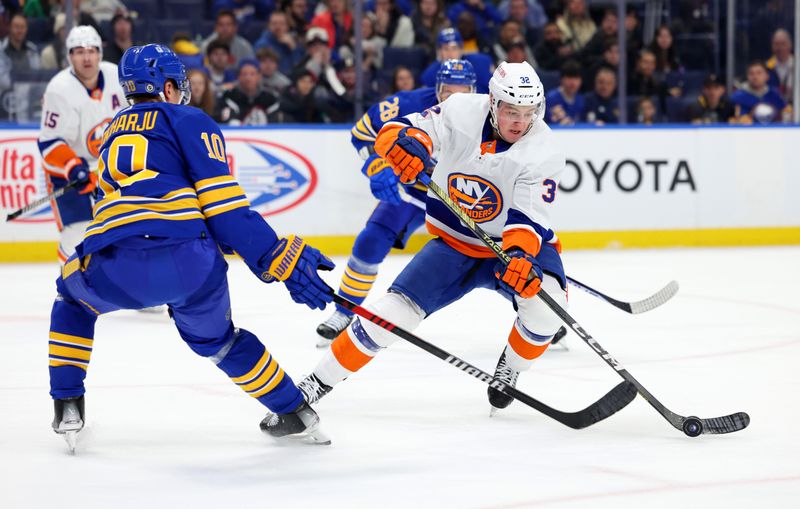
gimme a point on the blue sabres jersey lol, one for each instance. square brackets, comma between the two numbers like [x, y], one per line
[398, 105]
[747, 102]
[163, 172]
[560, 111]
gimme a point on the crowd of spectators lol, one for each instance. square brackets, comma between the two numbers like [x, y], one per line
[254, 62]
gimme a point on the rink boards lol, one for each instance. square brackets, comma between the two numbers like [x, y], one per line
[622, 187]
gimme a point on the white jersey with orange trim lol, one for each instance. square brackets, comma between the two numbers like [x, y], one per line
[74, 118]
[507, 189]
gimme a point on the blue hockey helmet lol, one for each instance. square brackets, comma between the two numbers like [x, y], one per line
[449, 36]
[455, 72]
[143, 70]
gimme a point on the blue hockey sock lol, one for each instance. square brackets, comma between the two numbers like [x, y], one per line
[70, 347]
[248, 363]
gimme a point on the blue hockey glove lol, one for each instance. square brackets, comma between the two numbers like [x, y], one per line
[78, 172]
[514, 277]
[296, 264]
[382, 180]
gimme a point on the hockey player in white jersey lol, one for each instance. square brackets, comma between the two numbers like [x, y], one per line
[498, 159]
[79, 102]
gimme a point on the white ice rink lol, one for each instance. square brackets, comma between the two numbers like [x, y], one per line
[166, 429]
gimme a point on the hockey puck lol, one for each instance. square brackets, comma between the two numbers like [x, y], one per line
[692, 427]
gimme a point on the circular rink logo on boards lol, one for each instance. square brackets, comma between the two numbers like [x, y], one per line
[479, 198]
[274, 177]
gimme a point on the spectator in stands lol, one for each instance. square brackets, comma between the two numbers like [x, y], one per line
[756, 101]
[485, 17]
[519, 52]
[576, 25]
[781, 64]
[529, 14]
[668, 69]
[712, 107]
[510, 32]
[392, 25]
[565, 104]
[23, 54]
[218, 55]
[278, 38]
[552, 51]
[225, 30]
[36, 9]
[298, 17]
[273, 79]
[337, 21]
[371, 43]
[245, 9]
[643, 80]
[474, 41]
[102, 10]
[402, 80]
[451, 45]
[202, 95]
[54, 55]
[646, 111]
[318, 62]
[247, 103]
[609, 59]
[600, 105]
[428, 20]
[299, 103]
[340, 108]
[121, 38]
[634, 41]
[593, 50]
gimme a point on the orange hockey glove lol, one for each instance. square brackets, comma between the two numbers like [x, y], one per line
[410, 154]
[514, 277]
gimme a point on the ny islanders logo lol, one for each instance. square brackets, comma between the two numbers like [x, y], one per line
[274, 177]
[479, 198]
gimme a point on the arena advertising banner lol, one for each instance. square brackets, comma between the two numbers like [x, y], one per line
[308, 181]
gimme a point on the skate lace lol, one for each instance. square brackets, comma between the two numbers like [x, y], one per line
[312, 389]
[504, 372]
[338, 321]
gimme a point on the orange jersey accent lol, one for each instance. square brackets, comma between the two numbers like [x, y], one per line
[523, 239]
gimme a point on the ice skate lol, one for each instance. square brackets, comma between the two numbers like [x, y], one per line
[330, 328]
[313, 388]
[558, 339]
[68, 419]
[505, 374]
[302, 423]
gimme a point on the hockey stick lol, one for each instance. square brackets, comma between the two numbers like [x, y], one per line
[616, 399]
[634, 308]
[58, 193]
[691, 426]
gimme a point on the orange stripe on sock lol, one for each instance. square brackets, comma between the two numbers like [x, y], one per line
[347, 353]
[522, 347]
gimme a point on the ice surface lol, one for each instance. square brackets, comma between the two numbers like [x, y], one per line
[165, 428]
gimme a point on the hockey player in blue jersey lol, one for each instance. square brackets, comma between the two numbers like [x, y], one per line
[167, 206]
[395, 218]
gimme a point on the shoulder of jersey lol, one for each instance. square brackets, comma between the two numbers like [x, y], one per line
[468, 103]
[63, 82]
[194, 116]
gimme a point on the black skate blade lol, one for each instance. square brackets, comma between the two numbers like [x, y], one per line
[312, 436]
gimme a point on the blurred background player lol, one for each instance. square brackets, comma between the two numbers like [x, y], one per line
[79, 102]
[394, 219]
[497, 159]
[450, 46]
[167, 205]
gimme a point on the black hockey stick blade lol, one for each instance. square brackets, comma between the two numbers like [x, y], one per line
[616, 399]
[694, 426]
[634, 308]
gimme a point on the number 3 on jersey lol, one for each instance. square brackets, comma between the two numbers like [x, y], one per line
[125, 161]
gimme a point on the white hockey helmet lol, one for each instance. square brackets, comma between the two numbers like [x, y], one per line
[516, 84]
[84, 36]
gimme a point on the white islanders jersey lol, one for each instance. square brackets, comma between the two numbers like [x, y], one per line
[507, 189]
[74, 118]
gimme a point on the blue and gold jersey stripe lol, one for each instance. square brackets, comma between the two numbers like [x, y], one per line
[69, 350]
[219, 195]
[116, 211]
[363, 129]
